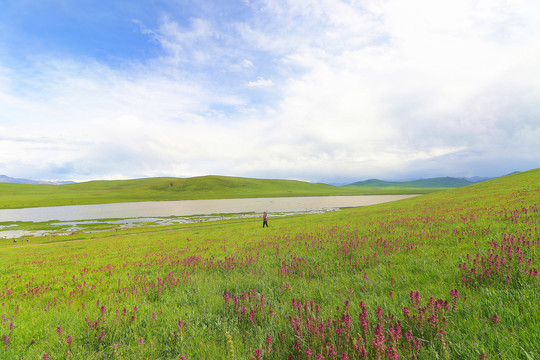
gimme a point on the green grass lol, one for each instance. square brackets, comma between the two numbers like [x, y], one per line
[160, 293]
[159, 189]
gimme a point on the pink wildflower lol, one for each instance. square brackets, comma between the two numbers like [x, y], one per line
[269, 342]
[495, 319]
[392, 354]
[379, 313]
[258, 354]
[180, 325]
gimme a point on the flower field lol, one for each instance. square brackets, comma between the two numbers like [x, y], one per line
[449, 275]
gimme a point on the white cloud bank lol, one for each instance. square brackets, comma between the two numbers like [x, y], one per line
[312, 90]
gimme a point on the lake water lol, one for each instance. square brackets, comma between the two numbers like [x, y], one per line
[192, 207]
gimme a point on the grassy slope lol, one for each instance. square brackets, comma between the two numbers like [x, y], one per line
[157, 189]
[182, 272]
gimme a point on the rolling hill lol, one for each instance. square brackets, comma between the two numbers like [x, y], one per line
[168, 188]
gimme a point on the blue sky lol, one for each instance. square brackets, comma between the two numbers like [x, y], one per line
[333, 91]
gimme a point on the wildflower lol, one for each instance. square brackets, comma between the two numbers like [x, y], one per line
[379, 313]
[101, 336]
[406, 312]
[269, 342]
[258, 354]
[46, 357]
[392, 354]
[5, 340]
[69, 340]
[415, 298]
[59, 331]
[495, 319]
[11, 326]
[180, 325]
[417, 345]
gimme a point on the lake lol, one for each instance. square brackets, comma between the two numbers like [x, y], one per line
[192, 207]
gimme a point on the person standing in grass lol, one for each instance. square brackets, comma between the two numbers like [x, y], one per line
[265, 219]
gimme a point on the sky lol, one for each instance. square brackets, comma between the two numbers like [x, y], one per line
[331, 91]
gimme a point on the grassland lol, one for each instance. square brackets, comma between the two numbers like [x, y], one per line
[159, 189]
[449, 275]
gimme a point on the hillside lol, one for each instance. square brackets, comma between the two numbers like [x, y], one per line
[440, 182]
[161, 189]
[449, 275]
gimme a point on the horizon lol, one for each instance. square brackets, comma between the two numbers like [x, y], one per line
[66, 181]
[316, 91]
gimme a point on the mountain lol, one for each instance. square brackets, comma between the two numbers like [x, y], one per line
[440, 182]
[7, 179]
[476, 179]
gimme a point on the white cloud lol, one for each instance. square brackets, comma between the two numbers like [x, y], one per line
[314, 90]
[260, 82]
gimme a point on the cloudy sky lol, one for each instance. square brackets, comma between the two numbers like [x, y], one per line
[314, 90]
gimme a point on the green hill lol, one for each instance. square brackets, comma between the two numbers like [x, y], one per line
[165, 188]
[440, 182]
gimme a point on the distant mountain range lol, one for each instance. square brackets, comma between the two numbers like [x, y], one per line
[7, 179]
[439, 182]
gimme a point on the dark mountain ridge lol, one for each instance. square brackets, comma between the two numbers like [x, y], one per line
[7, 179]
[439, 182]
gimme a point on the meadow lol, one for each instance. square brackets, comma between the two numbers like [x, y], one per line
[448, 275]
[162, 189]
